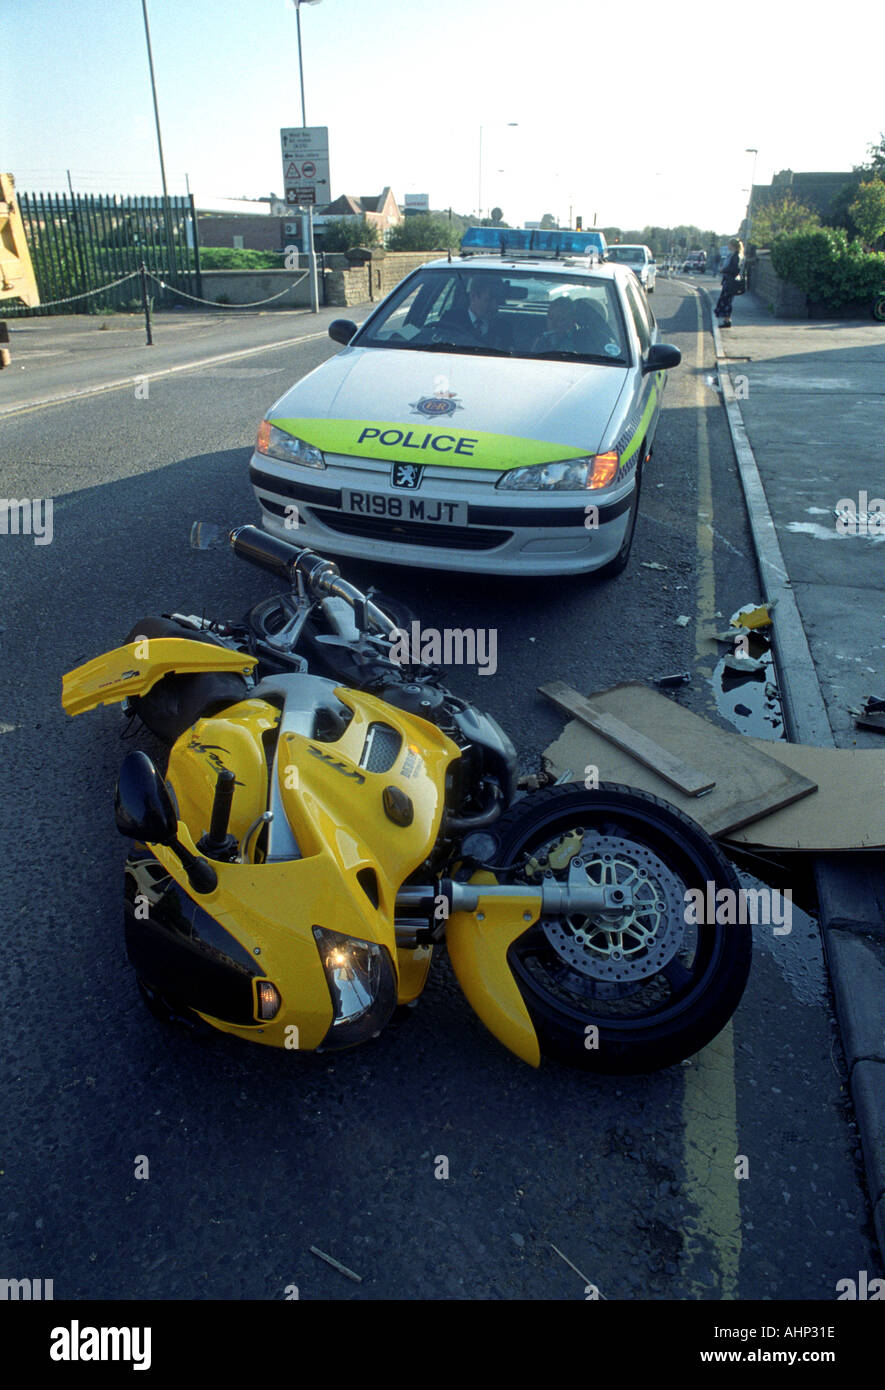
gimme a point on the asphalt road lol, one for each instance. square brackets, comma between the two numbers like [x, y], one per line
[254, 1157]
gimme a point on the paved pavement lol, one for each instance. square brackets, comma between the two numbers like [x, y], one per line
[806, 406]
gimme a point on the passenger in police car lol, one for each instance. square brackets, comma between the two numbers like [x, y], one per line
[559, 335]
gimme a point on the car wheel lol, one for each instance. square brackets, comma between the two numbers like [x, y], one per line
[619, 563]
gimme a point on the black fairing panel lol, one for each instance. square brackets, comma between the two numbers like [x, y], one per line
[176, 702]
[181, 951]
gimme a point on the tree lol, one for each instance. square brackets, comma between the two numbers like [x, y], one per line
[876, 163]
[548, 221]
[781, 217]
[868, 211]
[423, 233]
[344, 232]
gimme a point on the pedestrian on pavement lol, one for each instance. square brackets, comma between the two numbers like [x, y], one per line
[731, 272]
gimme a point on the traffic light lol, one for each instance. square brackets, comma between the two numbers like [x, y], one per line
[579, 224]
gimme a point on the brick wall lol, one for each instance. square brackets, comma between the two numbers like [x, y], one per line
[259, 233]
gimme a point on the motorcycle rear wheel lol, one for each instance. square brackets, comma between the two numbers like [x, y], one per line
[641, 992]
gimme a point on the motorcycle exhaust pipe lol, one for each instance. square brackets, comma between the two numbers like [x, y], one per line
[277, 556]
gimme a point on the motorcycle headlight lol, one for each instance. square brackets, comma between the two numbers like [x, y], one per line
[571, 475]
[362, 984]
[279, 445]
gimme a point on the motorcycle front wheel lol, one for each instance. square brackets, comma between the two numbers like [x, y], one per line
[640, 989]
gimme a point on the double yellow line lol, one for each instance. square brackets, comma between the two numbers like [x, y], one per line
[709, 1106]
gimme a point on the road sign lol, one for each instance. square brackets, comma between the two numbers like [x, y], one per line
[305, 151]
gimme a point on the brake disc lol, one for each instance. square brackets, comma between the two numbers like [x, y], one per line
[622, 945]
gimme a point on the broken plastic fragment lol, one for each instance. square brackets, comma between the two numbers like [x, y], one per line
[757, 617]
[744, 665]
[872, 715]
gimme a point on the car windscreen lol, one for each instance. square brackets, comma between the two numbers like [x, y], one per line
[517, 312]
[627, 255]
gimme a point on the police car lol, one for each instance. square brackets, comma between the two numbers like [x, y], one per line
[491, 415]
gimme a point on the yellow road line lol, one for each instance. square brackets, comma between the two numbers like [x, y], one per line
[709, 1105]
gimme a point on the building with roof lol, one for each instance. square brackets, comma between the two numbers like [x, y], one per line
[380, 210]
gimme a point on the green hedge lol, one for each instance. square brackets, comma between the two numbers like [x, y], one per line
[829, 267]
[233, 258]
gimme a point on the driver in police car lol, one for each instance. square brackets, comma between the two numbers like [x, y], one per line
[479, 321]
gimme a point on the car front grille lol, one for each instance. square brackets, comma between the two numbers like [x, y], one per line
[412, 532]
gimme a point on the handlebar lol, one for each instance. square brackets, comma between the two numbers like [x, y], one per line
[321, 576]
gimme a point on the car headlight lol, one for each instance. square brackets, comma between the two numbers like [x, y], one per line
[362, 985]
[571, 475]
[279, 445]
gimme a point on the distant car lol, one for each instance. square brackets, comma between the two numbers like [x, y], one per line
[695, 263]
[639, 259]
[506, 440]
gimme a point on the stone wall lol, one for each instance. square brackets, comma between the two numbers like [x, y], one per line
[348, 285]
[345, 284]
[247, 286]
[784, 300]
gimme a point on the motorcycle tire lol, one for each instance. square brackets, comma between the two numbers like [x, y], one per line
[638, 1018]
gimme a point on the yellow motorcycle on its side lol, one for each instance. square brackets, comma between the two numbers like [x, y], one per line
[317, 836]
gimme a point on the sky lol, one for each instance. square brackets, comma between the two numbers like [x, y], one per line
[631, 114]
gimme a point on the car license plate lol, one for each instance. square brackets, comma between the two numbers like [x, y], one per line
[405, 508]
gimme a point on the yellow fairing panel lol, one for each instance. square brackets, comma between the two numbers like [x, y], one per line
[336, 810]
[412, 967]
[255, 903]
[333, 804]
[231, 739]
[478, 952]
[134, 668]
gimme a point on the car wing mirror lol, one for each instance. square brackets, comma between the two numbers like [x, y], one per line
[661, 357]
[342, 330]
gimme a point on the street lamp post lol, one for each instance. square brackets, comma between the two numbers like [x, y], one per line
[307, 221]
[479, 186]
[167, 218]
[755, 154]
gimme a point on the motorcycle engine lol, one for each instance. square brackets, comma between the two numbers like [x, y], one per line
[485, 774]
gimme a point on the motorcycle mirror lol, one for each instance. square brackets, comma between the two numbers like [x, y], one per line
[143, 807]
[205, 535]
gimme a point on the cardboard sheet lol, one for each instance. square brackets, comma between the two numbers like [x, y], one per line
[847, 812]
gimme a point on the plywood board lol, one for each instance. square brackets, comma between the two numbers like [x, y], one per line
[749, 783]
[676, 771]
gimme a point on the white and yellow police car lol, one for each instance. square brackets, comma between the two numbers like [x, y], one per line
[491, 415]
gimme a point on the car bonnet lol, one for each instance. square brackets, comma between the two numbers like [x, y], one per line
[453, 409]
